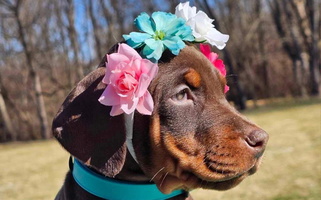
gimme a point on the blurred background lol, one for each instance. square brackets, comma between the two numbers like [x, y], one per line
[272, 58]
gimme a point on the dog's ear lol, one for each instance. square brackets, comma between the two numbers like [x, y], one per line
[85, 129]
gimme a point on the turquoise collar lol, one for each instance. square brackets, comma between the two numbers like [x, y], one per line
[112, 189]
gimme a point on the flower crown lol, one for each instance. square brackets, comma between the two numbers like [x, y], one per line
[128, 73]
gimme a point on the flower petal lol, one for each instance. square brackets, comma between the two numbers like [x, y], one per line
[213, 57]
[153, 49]
[205, 49]
[136, 39]
[149, 68]
[220, 66]
[129, 105]
[145, 105]
[214, 37]
[143, 84]
[143, 23]
[107, 75]
[139, 37]
[185, 33]
[109, 97]
[202, 16]
[161, 20]
[174, 44]
[129, 52]
[185, 11]
[174, 26]
[114, 59]
[116, 110]
[226, 89]
[131, 43]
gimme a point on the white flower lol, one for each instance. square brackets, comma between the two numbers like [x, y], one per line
[201, 24]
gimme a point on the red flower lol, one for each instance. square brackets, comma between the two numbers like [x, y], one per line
[218, 63]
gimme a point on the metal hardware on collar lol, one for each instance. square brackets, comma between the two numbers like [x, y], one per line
[111, 189]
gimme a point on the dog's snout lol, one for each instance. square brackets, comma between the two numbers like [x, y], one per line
[257, 140]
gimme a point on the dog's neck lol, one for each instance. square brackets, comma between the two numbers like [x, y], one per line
[131, 171]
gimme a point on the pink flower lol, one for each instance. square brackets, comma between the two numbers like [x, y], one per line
[128, 77]
[218, 63]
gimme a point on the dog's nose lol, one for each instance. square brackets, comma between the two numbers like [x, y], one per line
[257, 140]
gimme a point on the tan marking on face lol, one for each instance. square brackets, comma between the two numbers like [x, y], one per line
[193, 78]
[155, 130]
[223, 81]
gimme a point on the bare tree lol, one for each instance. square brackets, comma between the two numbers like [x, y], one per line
[9, 130]
[96, 28]
[306, 12]
[70, 10]
[261, 37]
[296, 23]
[59, 13]
[110, 19]
[41, 109]
[283, 19]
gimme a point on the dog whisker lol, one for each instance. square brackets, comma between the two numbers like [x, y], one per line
[163, 179]
[156, 174]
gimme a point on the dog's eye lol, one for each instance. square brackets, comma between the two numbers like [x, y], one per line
[181, 96]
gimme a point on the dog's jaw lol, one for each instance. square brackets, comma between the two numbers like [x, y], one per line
[188, 173]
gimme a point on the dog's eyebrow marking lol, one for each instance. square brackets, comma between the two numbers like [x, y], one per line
[193, 78]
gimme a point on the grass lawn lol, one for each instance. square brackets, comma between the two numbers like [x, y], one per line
[291, 169]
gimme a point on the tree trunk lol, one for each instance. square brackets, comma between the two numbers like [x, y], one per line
[41, 110]
[73, 38]
[95, 30]
[110, 19]
[300, 50]
[240, 98]
[119, 16]
[314, 52]
[306, 13]
[290, 42]
[69, 68]
[9, 130]
[262, 49]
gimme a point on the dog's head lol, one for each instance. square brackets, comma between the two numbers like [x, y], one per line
[193, 138]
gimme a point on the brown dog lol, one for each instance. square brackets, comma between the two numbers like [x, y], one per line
[193, 139]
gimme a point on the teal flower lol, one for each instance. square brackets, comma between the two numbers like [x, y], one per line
[161, 31]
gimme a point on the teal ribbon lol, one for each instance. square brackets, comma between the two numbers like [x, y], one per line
[112, 189]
